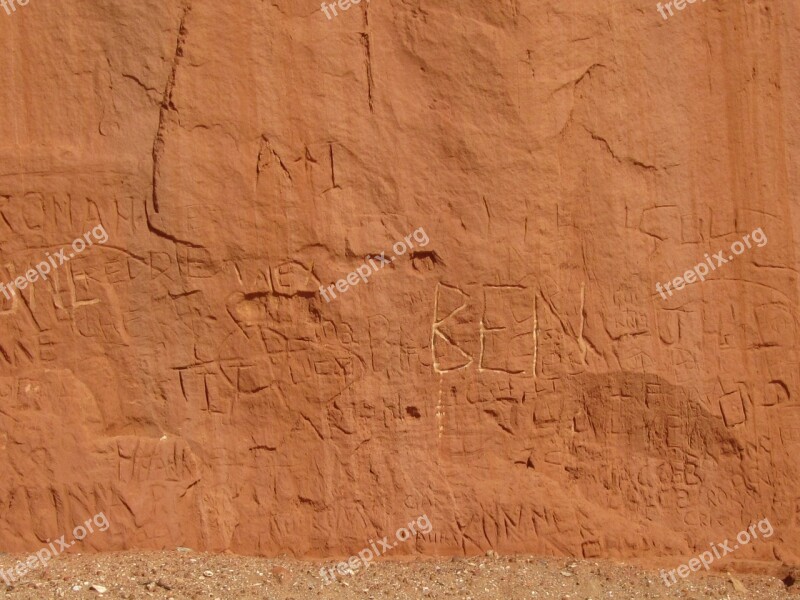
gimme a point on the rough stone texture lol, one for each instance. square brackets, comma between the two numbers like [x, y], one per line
[517, 379]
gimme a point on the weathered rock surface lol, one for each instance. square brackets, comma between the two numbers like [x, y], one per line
[517, 378]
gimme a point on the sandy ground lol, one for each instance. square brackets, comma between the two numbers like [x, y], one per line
[186, 574]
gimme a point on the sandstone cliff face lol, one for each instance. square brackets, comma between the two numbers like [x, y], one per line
[517, 377]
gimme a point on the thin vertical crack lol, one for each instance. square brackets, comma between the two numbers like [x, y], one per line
[167, 105]
[370, 82]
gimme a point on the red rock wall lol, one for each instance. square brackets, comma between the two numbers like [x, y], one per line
[518, 378]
